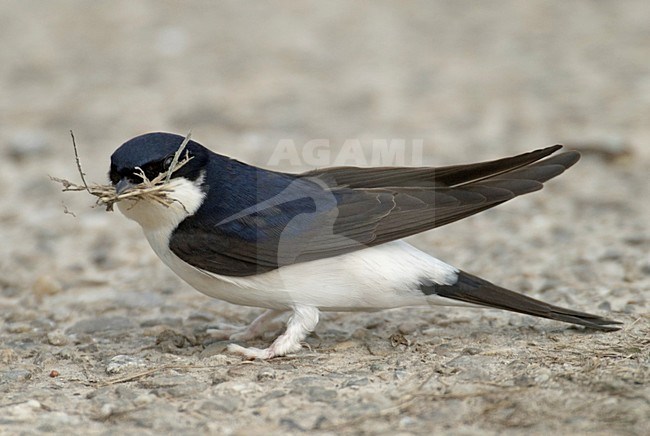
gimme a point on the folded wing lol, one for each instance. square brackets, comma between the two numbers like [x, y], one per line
[324, 213]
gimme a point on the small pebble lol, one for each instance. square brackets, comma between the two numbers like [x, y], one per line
[106, 410]
[54, 373]
[406, 328]
[122, 362]
[57, 338]
[265, 374]
[399, 339]
[33, 404]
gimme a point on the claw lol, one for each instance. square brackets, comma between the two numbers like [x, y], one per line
[251, 353]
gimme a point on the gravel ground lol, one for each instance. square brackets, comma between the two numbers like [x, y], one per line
[98, 337]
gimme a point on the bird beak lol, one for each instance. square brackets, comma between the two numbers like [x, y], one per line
[123, 185]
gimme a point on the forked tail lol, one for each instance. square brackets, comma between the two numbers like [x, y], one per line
[474, 290]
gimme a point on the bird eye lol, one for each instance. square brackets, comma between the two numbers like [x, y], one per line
[167, 162]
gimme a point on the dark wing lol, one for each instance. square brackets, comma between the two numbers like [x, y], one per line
[457, 192]
[315, 217]
[381, 177]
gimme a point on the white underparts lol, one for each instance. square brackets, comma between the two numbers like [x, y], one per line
[381, 277]
[154, 216]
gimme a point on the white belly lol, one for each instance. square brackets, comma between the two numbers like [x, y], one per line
[374, 278]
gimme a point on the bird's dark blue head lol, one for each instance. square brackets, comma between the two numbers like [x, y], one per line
[153, 153]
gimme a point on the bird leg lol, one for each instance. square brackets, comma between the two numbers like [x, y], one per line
[255, 330]
[300, 324]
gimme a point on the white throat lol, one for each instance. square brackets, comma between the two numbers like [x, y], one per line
[155, 217]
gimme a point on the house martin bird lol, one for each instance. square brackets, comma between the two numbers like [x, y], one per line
[329, 239]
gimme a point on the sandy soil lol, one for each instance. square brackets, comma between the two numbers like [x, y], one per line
[98, 337]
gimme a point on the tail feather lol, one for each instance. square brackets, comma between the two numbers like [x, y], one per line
[474, 290]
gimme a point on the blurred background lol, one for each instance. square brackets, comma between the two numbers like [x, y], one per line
[466, 80]
[471, 79]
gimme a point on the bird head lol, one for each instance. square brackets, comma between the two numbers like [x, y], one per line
[153, 154]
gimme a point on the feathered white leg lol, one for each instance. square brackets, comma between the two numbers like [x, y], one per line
[255, 330]
[300, 324]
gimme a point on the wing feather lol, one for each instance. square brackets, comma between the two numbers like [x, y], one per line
[355, 208]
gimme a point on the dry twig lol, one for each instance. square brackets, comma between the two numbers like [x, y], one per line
[157, 189]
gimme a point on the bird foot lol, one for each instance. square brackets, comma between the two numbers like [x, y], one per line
[251, 353]
[301, 323]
